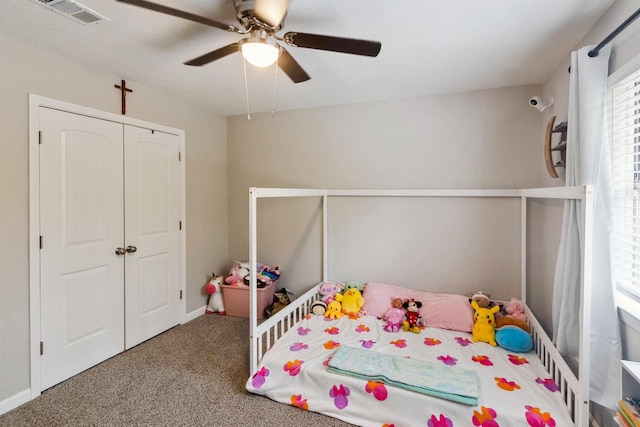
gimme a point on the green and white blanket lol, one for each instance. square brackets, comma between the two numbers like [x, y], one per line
[435, 379]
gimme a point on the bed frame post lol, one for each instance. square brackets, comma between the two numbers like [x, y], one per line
[253, 288]
[523, 248]
[584, 354]
[325, 238]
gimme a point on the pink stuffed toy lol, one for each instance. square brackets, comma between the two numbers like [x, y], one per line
[515, 309]
[239, 271]
[394, 316]
[328, 290]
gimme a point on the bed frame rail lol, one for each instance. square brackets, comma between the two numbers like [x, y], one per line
[558, 369]
[274, 327]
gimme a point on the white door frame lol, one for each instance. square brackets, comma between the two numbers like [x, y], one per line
[35, 102]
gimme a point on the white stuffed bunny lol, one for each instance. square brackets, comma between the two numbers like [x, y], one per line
[214, 289]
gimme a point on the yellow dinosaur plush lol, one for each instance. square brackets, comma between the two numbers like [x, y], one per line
[484, 327]
[351, 301]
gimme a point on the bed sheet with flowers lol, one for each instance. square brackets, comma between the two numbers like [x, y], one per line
[514, 388]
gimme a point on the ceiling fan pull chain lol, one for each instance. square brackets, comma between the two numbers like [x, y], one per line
[246, 88]
[275, 82]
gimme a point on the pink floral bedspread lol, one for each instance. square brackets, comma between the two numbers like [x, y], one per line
[515, 389]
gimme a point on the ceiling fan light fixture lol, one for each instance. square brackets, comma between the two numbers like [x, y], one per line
[259, 51]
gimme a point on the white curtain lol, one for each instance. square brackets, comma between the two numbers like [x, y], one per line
[589, 162]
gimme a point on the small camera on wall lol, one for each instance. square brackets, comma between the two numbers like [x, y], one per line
[538, 104]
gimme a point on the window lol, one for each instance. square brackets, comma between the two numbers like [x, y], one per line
[624, 127]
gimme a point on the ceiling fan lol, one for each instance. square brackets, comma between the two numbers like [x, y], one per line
[261, 20]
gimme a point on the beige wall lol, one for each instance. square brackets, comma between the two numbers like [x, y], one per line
[624, 48]
[26, 70]
[486, 139]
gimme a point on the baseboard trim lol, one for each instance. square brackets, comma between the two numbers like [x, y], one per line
[14, 401]
[194, 314]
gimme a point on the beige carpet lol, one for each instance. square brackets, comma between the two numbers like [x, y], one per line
[191, 375]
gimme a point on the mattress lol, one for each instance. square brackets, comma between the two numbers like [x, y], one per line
[514, 389]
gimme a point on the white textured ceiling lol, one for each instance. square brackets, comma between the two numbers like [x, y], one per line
[428, 47]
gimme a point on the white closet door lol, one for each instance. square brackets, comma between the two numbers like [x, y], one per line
[81, 211]
[152, 233]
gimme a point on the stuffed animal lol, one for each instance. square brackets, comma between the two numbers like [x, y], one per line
[515, 309]
[482, 299]
[334, 310]
[352, 284]
[412, 321]
[239, 271]
[394, 315]
[484, 323]
[214, 289]
[514, 339]
[511, 321]
[351, 301]
[280, 300]
[319, 308]
[328, 290]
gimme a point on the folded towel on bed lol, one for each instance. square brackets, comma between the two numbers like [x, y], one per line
[435, 379]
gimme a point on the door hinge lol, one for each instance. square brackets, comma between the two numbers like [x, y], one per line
[39, 137]
[41, 348]
[40, 242]
[180, 225]
[180, 293]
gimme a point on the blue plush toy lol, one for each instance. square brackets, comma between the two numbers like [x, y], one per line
[514, 339]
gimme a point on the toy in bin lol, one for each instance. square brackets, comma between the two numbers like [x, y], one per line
[265, 276]
[239, 271]
[239, 274]
[214, 289]
[235, 290]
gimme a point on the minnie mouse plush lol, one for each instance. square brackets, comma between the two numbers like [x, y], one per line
[412, 321]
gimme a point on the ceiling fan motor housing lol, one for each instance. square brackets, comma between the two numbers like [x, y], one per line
[245, 13]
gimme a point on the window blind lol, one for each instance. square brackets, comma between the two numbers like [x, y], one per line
[624, 128]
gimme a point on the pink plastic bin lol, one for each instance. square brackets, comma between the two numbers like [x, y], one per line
[236, 300]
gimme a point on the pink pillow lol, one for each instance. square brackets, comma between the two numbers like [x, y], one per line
[446, 311]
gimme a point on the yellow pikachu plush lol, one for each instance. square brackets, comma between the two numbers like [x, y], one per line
[484, 327]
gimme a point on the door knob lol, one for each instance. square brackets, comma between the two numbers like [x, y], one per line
[131, 249]
[120, 251]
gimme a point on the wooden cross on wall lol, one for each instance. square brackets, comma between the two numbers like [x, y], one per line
[124, 89]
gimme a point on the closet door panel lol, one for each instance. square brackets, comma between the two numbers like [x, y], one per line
[81, 223]
[152, 227]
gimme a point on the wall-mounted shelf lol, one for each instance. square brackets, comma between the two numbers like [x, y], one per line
[630, 376]
[560, 147]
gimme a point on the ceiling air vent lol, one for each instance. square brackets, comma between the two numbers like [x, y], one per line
[73, 10]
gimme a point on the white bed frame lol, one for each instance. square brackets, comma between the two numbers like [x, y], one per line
[575, 393]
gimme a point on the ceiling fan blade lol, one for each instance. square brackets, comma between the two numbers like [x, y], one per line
[291, 68]
[179, 13]
[271, 12]
[212, 56]
[334, 44]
